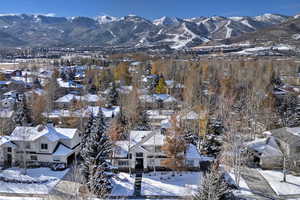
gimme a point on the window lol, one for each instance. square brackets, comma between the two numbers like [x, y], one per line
[190, 163]
[8, 149]
[298, 149]
[33, 157]
[44, 146]
[157, 149]
[152, 162]
[27, 145]
[139, 154]
[130, 156]
[123, 163]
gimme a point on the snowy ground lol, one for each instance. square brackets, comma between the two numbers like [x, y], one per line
[19, 198]
[243, 187]
[35, 174]
[292, 186]
[163, 183]
[123, 185]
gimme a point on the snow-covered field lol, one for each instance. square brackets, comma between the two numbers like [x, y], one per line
[243, 187]
[19, 198]
[292, 186]
[163, 183]
[50, 177]
[123, 185]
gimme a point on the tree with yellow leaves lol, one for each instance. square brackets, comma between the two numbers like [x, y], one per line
[161, 87]
[174, 146]
[121, 72]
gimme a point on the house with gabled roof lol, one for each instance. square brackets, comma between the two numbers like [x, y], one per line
[143, 151]
[42, 145]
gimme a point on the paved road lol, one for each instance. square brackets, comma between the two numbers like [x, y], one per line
[258, 184]
[138, 184]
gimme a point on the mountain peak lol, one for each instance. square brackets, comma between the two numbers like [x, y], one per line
[106, 19]
[166, 21]
[271, 18]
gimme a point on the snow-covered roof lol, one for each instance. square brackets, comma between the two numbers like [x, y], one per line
[192, 115]
[62, 150]
[65, 113]
[142, 138]
[286, 133]
[66, 99]
[173, 84]
[70, 84]
[22, 133]
[157, 97]
[22, 78]
[36, 91]
[122, 148]
[135, 63]
[137, 136]
[160, 112]
[295, 131]
[6, 140]
[157, 139]
[6, 113]
[165, 124]
[107, 112]
[10, 93]
[147, 137]
[5, 82]
[69, 97]
[266, 147]
[192, 152]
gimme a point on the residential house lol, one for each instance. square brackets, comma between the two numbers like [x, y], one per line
[40, 146]
[143, 151]
[159, 101]
[68, 100]
[265, 153]
[6, 121]
[62, 116]
[156, 117]
[6, 152]
[288, 140]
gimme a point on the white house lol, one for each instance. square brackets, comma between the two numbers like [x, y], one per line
[6, 147]
[265, 153]
[67, 100]
[143, 152]
[40, 145]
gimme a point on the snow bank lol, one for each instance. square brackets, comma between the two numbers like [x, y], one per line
[291, 187]
[123, 185]
[166, 184]
[243, 187]
[19, 198]
[53, 178]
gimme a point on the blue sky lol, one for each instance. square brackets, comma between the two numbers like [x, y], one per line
[151, 9]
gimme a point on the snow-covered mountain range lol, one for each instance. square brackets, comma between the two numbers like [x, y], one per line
[131, 30]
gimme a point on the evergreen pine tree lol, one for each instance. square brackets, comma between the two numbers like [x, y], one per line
[213, 186]
[148, 69]
[143, 123]
[152, 82]
[22, 115]
[95, 168]
[113, 96]
[87, 131]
